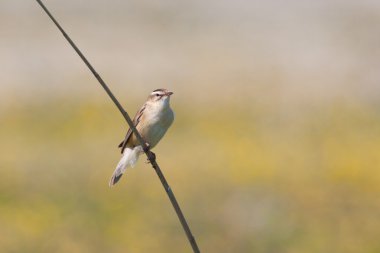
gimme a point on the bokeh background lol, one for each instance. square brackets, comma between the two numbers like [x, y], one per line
[275, 147]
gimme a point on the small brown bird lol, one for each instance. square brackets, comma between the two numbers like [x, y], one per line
[152, 121]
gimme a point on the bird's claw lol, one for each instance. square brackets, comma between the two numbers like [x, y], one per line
[153, 157]
[147, 150]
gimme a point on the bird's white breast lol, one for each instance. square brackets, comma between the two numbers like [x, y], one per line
[159, 117]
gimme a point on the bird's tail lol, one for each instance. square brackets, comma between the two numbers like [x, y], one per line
[129, 158]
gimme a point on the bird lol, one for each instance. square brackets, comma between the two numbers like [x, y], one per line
[152, 121]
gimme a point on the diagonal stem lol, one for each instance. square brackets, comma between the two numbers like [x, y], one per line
[149, 154]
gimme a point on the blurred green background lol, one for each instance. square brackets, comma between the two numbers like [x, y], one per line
[275, 146]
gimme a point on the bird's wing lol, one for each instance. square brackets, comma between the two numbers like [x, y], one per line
[136, 121]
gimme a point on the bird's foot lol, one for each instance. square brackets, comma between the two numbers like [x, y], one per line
[153, 157]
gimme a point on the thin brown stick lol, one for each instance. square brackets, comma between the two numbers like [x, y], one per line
[149, 154]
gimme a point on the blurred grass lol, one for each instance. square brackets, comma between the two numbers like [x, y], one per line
[248, 181]
[275, 146]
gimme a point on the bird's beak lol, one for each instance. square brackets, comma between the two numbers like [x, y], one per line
[169, 93]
